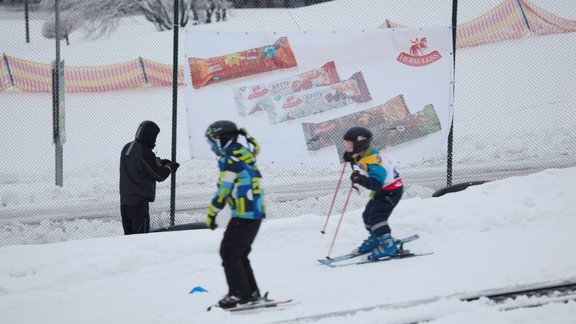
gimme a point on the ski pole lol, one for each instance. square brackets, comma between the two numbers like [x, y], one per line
[334, 198]
[340, 221]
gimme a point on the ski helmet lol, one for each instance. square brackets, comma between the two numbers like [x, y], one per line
[361, 138]
[220, 134]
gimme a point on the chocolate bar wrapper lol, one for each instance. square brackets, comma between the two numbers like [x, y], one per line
[247, 98]
[240, 64]
[391, 124]
[317, 100]
[330, 132]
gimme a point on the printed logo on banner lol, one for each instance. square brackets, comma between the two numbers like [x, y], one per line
[291, 102]
[417, 56]
[257, 91]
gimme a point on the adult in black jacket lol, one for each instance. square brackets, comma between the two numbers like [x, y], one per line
[139, 171]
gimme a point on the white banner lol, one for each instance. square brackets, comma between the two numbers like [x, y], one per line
[298, 92]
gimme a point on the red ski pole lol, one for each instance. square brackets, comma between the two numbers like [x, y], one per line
[340, 221]
[334, 198]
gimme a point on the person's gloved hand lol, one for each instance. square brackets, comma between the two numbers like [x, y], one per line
[242, 131]
[211, 218]
[174, 166]
[358, 178]
[347, 157]
[165, 162]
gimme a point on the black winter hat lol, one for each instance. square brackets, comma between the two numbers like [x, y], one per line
[147, 133]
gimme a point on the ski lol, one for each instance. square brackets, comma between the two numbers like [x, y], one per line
[405, 254]
[330, 260]
[263, 303]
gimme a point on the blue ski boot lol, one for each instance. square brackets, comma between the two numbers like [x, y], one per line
[386, 248]
[368, 245]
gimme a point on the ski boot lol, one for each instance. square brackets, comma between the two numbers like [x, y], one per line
[368, 245]
[386, 248]
[255, 297]
[231, 301]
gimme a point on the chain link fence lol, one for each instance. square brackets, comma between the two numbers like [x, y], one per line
[514, 111]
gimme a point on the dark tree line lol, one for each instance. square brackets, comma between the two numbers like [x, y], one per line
[99, 17]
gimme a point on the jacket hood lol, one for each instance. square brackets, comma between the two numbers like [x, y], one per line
[147, 133]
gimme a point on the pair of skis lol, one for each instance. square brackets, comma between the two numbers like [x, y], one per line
[337, 261]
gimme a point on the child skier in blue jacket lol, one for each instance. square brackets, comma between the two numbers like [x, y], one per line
[239, 187]
[379, 175]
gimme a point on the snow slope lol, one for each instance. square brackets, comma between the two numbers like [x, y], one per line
[505, 233]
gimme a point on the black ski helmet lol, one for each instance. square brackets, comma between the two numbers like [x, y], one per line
[361, 138]
[222, 130]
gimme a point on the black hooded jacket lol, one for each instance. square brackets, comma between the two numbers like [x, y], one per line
[139, 167]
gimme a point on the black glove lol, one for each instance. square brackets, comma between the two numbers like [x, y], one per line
[358, 178]
[174, 166]
[347, 157]
[164, 162]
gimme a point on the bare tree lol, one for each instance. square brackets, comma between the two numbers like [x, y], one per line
[101, 17]
[156, 12]
[69, 22]
[184, 12]
[204, 11]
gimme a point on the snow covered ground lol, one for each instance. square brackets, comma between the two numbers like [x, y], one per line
[503, 126]
[500, 234]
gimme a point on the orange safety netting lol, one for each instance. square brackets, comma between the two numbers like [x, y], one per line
[542, 22]
[4, 77]
[391, 24]
[512, 19]
[30, 76]
[159, 74]
[37, 77]
[104, 77]
[503, 22]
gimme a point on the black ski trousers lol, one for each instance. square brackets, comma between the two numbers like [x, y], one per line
[234, 250]
[136, 218]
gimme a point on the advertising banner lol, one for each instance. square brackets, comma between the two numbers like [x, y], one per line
[298, 92]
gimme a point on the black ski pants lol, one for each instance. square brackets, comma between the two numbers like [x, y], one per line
[234, 250]
[136, 218]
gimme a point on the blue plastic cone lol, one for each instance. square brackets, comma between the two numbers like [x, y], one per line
[197, 289]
